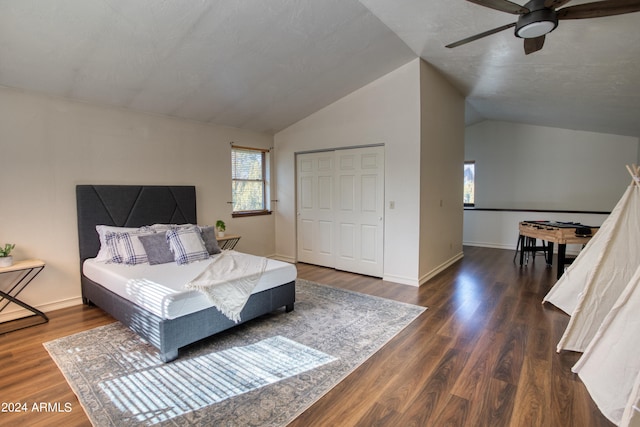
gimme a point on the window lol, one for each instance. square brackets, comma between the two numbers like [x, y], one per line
[249, 183]
[469, 183]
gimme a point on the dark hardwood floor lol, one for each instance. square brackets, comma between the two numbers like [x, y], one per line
[483, 354]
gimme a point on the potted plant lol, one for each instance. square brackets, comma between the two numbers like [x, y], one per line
[221, 227]
[6, 260]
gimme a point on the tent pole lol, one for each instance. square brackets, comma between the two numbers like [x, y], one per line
[634, 171]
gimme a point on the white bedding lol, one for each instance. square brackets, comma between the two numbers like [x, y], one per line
[160, 288]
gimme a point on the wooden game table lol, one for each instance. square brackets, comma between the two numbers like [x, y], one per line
[560, 233]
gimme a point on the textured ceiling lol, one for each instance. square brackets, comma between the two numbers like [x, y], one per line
[586, 77]
[252, 64]
[263, 65]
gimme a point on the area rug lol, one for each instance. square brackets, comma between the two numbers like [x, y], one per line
[262, 373]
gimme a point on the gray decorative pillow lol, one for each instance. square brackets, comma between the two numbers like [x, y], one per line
[157, 248]
[210, 241]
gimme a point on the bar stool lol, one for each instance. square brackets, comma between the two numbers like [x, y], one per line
[527, 246]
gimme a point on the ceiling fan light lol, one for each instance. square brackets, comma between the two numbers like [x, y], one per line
[536, 23]
[535, 29]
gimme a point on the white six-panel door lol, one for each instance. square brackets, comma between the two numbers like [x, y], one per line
[315, 208]
[341, 209]
[359, 213]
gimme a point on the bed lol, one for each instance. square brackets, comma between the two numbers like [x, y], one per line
[136, 206]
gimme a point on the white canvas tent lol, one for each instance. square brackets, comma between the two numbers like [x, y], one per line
[631, 416]
[610, 365]
[595, 280]
[601, 292]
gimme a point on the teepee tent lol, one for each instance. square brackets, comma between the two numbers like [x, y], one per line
[610, 365]
[601, 292]
[631, 415]
[591, 285]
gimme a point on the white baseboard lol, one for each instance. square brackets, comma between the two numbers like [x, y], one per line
[490, 245]
[570, 251]
[424, 278]
[439, 269]
[283, 258]
[401, 280]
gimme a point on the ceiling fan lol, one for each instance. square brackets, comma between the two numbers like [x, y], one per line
[539, 17]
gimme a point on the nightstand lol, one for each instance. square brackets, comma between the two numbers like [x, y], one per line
[228, 241]
[26, 271]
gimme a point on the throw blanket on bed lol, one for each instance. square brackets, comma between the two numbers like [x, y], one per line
[229, 280]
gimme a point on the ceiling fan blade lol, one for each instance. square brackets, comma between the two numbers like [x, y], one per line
[599, 8]
[503, 6]
[533, 45]
[554, 4]
[481, 35]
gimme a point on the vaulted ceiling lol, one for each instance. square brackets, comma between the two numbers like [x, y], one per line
[263, 65]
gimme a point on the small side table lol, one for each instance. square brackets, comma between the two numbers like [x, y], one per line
[228, 241]
[28, 270]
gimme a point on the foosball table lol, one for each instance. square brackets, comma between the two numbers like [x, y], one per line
[554, 232]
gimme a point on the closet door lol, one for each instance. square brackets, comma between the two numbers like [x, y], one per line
[340, 199]
[315, 208]
[359, 211]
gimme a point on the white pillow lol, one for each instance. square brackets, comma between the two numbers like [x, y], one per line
[161, 228]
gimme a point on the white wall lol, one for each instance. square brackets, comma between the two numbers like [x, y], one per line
[534, 167]
[521, 166]
[499, 229]
[442, 159]
[48, 145]
[387, 111]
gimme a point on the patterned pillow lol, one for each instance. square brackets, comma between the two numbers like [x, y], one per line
[187, 245]
[115, 252]
[104, 254]
[126, 247]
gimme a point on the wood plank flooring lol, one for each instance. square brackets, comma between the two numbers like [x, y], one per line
[483, 354]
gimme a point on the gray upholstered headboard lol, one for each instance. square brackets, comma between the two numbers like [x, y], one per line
[130, 206]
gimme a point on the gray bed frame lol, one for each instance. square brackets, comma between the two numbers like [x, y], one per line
[138, 205]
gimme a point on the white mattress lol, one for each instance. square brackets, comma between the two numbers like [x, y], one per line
[160, 288]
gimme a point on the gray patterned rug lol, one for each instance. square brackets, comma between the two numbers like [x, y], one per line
[263, 373]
